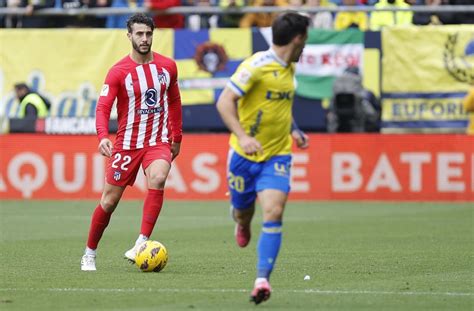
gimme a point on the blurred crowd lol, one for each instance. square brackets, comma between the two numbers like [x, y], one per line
[327, 20]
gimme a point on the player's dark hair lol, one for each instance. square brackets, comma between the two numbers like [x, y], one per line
[287, 26]
[140, 18]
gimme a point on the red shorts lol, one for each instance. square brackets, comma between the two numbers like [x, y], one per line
[123, 165]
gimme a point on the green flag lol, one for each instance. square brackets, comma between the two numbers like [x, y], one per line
[326, 55]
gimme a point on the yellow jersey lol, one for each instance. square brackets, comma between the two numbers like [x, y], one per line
[266, 86]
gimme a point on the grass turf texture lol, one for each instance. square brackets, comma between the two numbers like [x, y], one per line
[360, 256]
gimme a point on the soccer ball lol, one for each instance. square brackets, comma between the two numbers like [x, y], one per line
[151, 256]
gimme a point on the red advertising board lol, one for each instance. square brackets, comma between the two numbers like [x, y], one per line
[341, 167]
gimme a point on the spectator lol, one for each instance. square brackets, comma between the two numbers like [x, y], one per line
[3, 4]
[380, 19]
[432, 18]
[120, 21]
[199, 21]
[230, 20]
[463, 17]
[13, 21]
[351, 109]
[261, 19]
[349, 19]
[73, 20]
[96, 21]
[295, 4]
[166, 21]
[323, 20]
[468, 104]
[32, 105]
[33, 21]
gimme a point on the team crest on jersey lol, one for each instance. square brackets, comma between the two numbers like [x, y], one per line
[151, 97]
[117, 175]
[243, 76]
[162, 78]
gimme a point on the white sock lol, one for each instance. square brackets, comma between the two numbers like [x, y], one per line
[141, 239]
[90, 252]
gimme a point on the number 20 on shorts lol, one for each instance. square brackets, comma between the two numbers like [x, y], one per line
[236, 182]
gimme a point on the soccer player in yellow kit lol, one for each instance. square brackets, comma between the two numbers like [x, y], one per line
[256, 106]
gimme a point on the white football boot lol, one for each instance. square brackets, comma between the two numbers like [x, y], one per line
[131, 253]
[88, 263]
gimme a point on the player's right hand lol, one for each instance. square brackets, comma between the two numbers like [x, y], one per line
[250, 145]
[105, 147]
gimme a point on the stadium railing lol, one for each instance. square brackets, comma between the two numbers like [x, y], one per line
[219, 10]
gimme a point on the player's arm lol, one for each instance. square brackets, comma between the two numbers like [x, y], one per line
[175, 114]
[227, 108]
[102, 113]
[302, 140]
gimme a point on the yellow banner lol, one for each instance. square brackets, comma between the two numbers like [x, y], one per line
[68, 66]
[420, 109]
[429, 59]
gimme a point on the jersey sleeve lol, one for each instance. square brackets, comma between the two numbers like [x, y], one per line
[244, 78]
[104, 105]
[175, 109]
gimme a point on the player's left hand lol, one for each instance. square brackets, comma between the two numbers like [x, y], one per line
[175, 147]
[302, 140]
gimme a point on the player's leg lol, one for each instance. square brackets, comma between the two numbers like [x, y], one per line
[268, 247]
[100, 219]
[273, 186]
[243, 219]
[122, 169]
[241, 183]
[156, 174]
[157, 164]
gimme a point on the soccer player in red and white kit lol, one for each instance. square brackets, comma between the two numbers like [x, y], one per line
[149, 131]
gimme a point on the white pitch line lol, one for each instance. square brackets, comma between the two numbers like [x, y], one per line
[236, 290]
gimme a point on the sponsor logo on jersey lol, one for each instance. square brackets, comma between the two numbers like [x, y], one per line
[277, 95]
[149, 111]
[105, 90]
[151, 97]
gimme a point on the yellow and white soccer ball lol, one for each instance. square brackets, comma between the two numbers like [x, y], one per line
[152, 256]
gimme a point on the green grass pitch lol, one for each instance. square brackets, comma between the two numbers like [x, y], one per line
[360, 256]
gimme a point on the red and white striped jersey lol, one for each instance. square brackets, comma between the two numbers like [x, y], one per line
[148, 103]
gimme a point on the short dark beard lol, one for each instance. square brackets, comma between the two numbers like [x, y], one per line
[137, 48]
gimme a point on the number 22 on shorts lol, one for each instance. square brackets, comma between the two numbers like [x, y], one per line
[125, 161]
